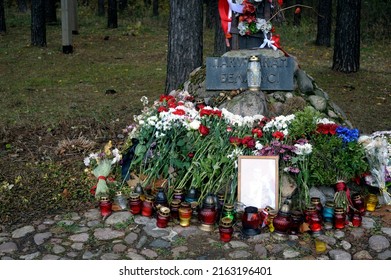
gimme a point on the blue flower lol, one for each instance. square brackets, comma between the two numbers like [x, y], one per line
[346, 134]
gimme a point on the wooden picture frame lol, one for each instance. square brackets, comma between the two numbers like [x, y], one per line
[258, 183]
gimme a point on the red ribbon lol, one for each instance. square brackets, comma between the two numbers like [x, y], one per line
[224, 16]
[102, 178]
[341, 186]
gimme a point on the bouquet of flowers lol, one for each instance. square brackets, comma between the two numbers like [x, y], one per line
[376, 150]
[101, 165]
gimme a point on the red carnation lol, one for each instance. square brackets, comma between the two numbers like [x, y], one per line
[257, 131]
[248, 142]
[162, 109]
[278, 135]
[190, 155]
[203, 130]
[236, 141]
[179, 112]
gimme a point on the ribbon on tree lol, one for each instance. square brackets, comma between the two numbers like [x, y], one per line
[226, 7]
[270, 43]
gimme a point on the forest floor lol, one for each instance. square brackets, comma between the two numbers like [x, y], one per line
[56, 108]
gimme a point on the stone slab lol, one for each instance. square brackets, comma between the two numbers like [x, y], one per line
[230, 73]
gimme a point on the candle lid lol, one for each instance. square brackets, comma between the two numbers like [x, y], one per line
[226, 222]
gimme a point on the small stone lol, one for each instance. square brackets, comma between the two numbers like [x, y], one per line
[50, 257]
[177, 251]
[386, 230]
[119, 248]
[328, 239]
[93, 223]
[338, 254]
[240, 254]
[237, 244]
[141, 220]
[8, 247]
[92, 214]
[120, 217]
[339, 234]
[290, 254]
[88, 255]
[378, 243]
[386, 255]
[72, 255]
[304, 82]
[141, 242]
[135, 256]
[109, 256]
[259, 237]
[368, 223]
[346, 245]
[22, 232]
[40, 238]
[48, 222]
[131, 238]
[261, 251]
[357, 233]
[30, 256]
[57, 249]
[81, 237]
[159, 243]
[107, 234]
[319, 103]
[150, 254]
[77, 246]
[362, 255]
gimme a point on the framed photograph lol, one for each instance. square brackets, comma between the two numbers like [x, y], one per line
[258, 181]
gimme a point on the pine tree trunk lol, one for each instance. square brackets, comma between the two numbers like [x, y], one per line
[323, 37]
[101, 8]
[22, 6]
[210, 21]
[155, 8]
[347, 36]
[112, 17]
[51, 11]
[3, 28]
[38, 23]
[185, 41]
[122, 5]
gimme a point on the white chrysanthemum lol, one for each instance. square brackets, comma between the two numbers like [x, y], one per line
[258, 145]
[144, 100]
[117, 156]
[87, 161]
[324, 121]
[304, 149]
[195, 124]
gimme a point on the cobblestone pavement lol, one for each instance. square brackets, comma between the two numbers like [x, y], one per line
[122, 236]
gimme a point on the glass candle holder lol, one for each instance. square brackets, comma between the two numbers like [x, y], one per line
[147, 206]
[251, 221]
[174, 207]
[178, 195]
[160, 199]
[372, 201]
[318, 205]
[225, 229]
[296, 221]
[119, 202]
[105, 206]
[163, 217]
[185, 214]
[270, 217]
[194, 211]
[315, 223]
[339, 218]
[282, 222]
[228, 211]
[135, 203]
[358, 203]
[356, 219]
[308, 212]
[207, 217]
[328, 212]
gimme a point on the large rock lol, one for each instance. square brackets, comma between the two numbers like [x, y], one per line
[249, 103]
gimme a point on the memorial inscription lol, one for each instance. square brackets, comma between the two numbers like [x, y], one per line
[230, 73]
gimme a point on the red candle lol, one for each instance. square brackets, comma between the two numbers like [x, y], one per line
[356, 219]
[339, 218]
[359, 203]
[135, 203]
[147, 207]
[105, 207]
[163, 217]
[208, 215]
[225, 229]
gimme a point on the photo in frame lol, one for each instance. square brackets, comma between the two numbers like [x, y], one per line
[258, 183]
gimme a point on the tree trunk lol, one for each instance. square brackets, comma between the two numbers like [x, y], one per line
[220, 46]
[3, 28]
[38, 23]
[323, 36]
[155, 8]
[112, 17]
[210, 21]
[101, 8]
[297, 14]
[347, 36]
[122, 5]
[185, 41]
[147, 3]
[51, 11]
[22, 6]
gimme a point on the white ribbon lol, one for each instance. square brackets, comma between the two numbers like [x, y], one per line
[238, 8]
[268, 43]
